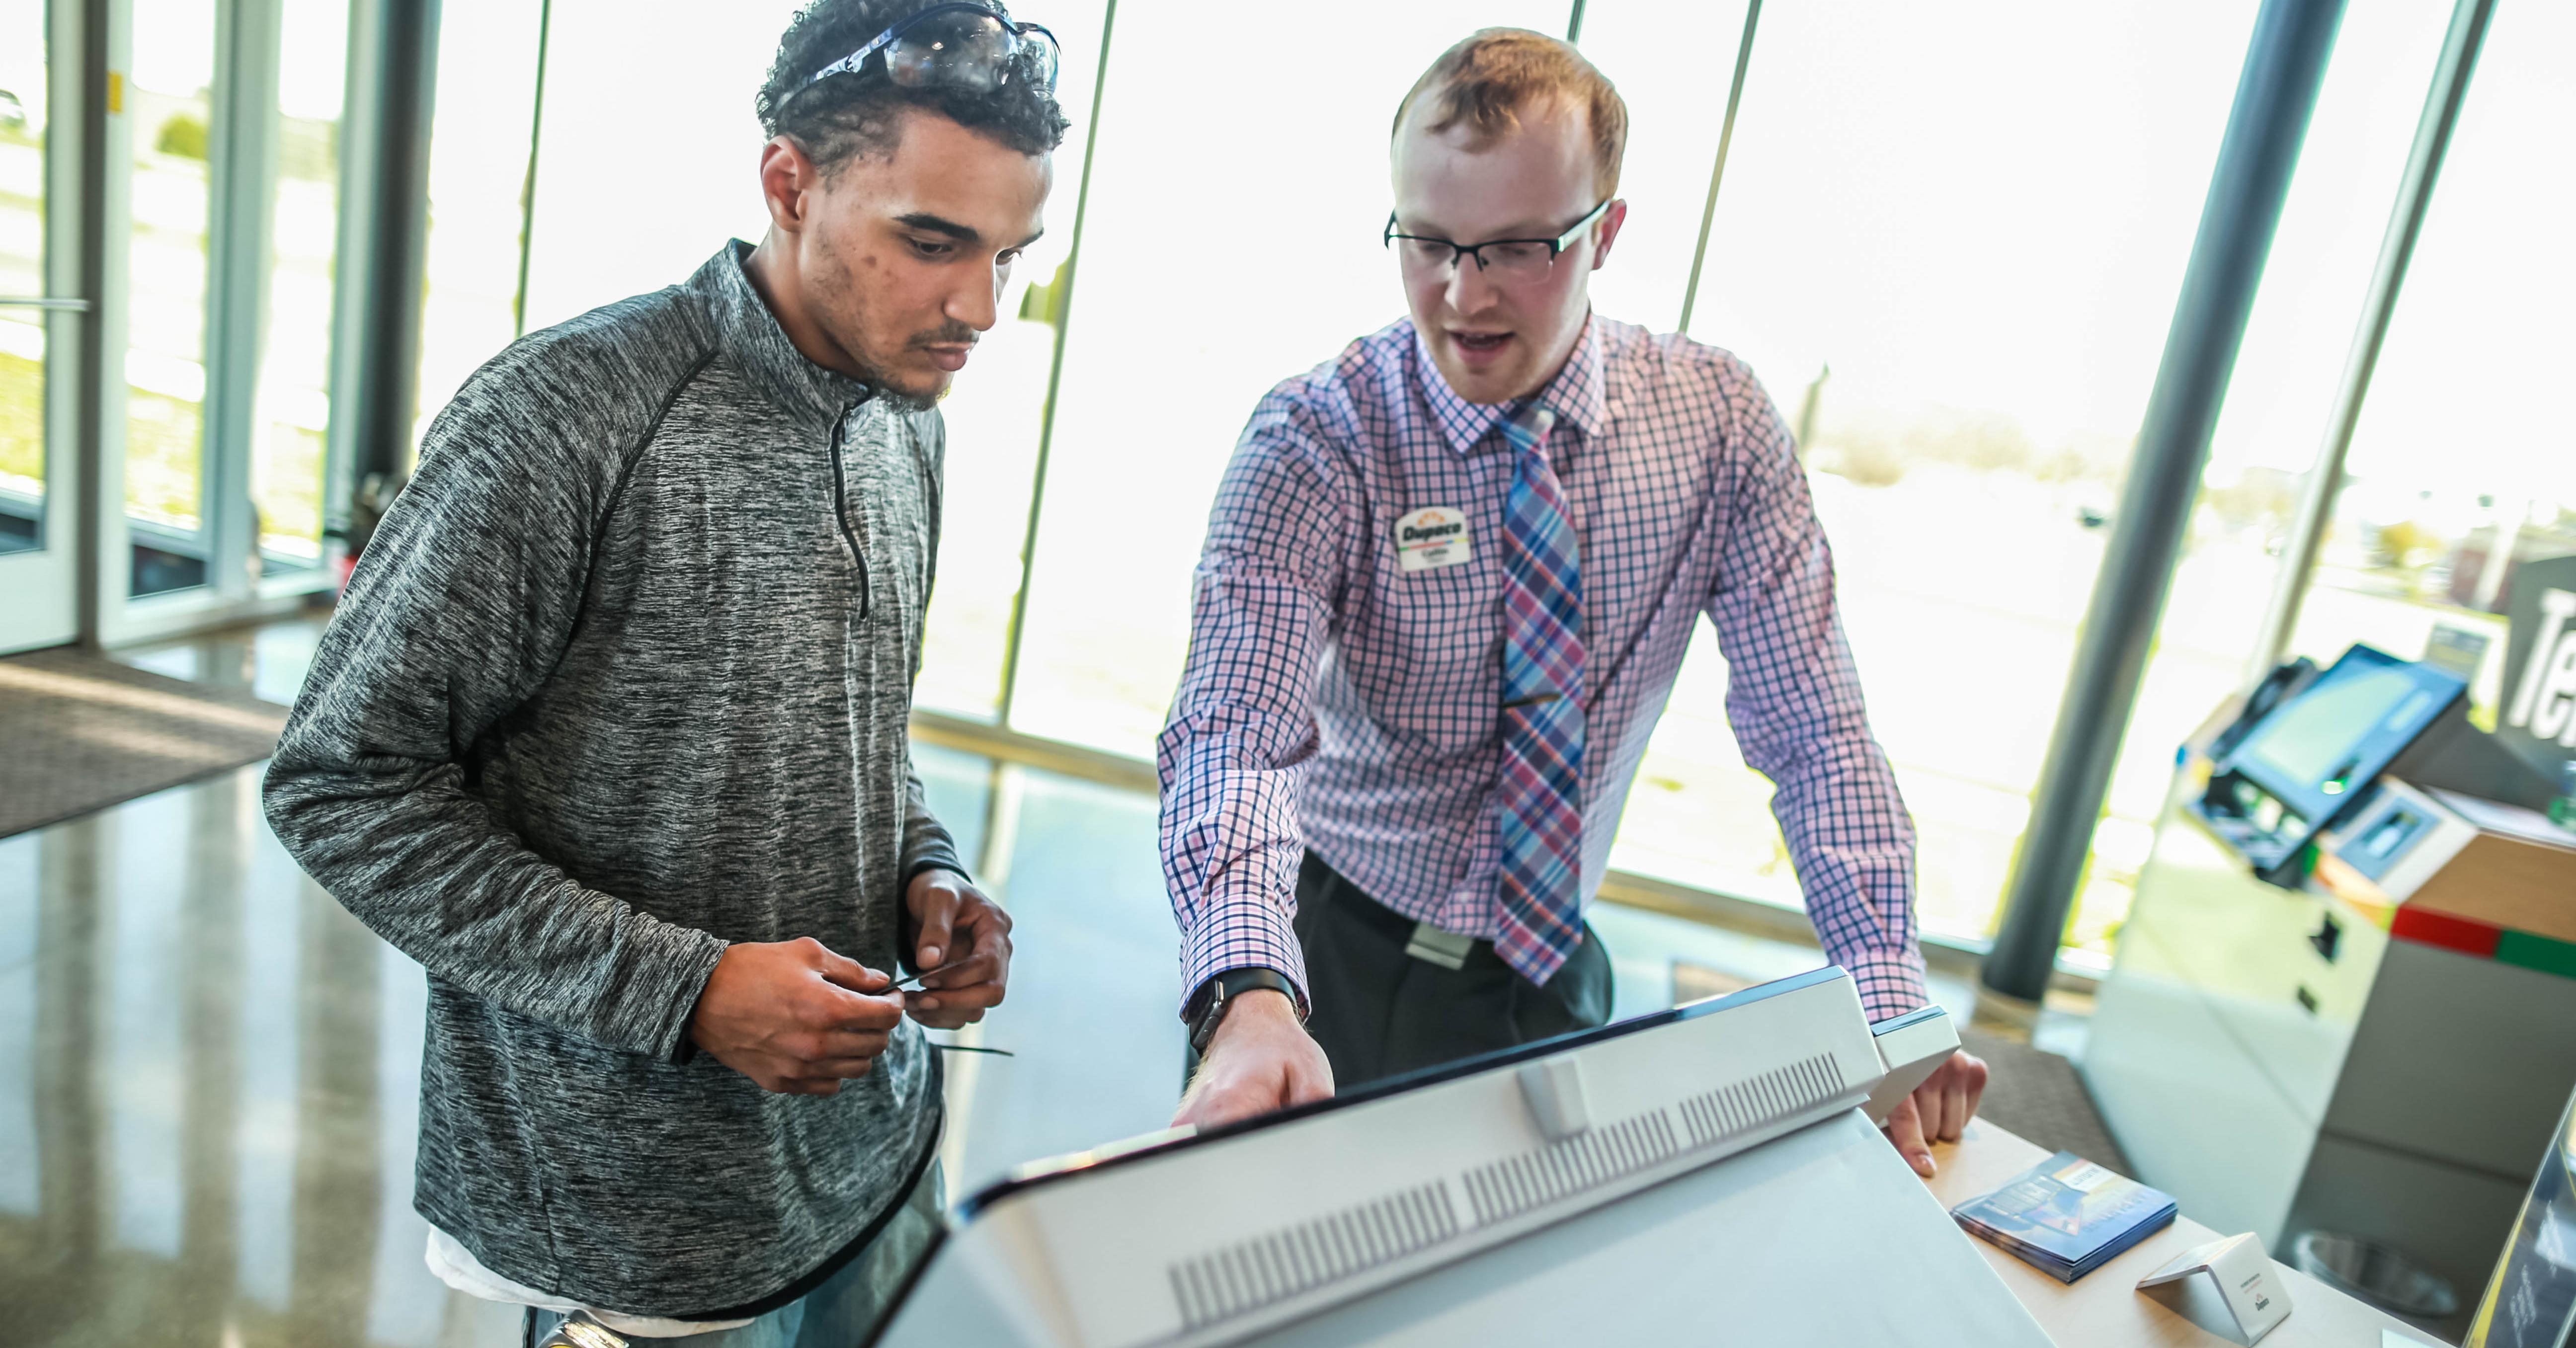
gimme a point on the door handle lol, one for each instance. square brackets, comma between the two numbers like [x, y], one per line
[69, 306]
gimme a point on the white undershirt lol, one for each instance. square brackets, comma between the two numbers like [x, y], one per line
[457, 1267]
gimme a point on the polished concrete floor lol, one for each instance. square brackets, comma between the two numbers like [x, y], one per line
[209, 1071]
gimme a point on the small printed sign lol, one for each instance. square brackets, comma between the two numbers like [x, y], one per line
[2251, 1301]
[1435, 536]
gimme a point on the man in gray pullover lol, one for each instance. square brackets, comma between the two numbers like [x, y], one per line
[610, 730]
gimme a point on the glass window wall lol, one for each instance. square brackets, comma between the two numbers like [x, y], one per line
[22, 274]
[169, 112]
[997, 414]
[2462, 467]
[2277, 410]
[292, 416]
[1172, 344]
[1673, 64]
[696, 159]
[1950, 243]
[480, 133]
[703, 163]
[1959, 299]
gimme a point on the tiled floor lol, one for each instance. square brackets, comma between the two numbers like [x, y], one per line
[208, 1070]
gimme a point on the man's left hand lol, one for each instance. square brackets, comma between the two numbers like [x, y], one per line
[949, 919]
[1937, 1110]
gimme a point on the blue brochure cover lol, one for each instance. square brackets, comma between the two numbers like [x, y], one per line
[2067, 1215]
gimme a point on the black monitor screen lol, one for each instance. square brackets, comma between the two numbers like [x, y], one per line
[2317, 753]
[2309, 738]
[2531, 1301]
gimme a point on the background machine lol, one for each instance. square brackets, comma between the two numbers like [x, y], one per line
[2531, 1300]
[1712, 1166]
[2345, 999]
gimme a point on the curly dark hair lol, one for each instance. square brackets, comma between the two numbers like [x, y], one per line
[854, 113]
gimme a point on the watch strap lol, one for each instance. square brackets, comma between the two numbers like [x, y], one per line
[1208, 1004]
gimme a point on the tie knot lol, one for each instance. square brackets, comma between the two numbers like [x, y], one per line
[1527, 428]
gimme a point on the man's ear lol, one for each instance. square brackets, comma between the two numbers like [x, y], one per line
[1607, 232]
[786, 176]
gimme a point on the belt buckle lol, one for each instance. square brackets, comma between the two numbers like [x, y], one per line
[1431, 945]
[579, 1330]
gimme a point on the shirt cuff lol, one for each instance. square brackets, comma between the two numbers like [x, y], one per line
[1243, 931]
[1891, 981]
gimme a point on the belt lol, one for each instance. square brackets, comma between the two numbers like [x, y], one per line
[1424, 941]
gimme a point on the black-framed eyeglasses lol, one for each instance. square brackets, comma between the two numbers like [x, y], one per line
[1511, 259]
[962, 45]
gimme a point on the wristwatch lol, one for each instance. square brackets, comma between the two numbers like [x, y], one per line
[1208, 1004]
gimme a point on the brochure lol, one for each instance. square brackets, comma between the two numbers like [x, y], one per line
[2067, 1216]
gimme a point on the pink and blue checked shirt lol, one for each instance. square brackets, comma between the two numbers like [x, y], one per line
[1335, 701]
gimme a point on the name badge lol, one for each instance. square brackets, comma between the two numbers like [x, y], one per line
[1431, 537]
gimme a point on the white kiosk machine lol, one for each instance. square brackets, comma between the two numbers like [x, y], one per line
[1710, 1170]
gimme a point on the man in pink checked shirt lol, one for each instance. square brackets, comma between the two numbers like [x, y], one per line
[1448, 583]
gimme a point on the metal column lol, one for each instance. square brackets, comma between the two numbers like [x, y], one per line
[2277, 91]
[2442, 103]
[383, 393]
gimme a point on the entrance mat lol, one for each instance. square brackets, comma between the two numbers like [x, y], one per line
[80, 732]
[2037, 1094]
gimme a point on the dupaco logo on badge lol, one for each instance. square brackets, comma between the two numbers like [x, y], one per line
[1434, 536]
[2540, 664]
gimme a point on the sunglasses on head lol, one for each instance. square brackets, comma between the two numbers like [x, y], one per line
[955, 46]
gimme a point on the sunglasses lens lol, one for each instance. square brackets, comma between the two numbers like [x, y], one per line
[1038, 46]
[962, 49]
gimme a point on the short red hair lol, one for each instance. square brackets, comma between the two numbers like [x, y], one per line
[1487, 81]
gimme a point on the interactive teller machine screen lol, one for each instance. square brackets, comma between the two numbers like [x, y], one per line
[2319, 739]
[2306, 765]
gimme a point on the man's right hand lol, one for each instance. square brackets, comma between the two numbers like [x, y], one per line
[793, 1016]
[1260, 1059]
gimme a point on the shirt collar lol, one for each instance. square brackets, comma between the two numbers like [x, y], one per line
[1578, 394]
[749, 333]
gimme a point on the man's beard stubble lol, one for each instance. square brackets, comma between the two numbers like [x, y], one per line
[845, 329]
[894, 395]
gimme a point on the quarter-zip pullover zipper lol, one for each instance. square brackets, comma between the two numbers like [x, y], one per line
[841, 510]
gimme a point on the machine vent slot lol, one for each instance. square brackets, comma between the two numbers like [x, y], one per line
[1295, 1259]
[1755, 1101]
[1533, 1179]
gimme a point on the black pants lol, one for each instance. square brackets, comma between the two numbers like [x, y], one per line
[1379, 1012]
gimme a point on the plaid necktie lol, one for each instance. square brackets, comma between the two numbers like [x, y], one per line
[1542, 777]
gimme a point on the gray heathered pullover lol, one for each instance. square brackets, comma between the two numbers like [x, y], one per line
[612, 687]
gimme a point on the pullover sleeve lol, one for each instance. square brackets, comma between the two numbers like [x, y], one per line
[1793, 696]
[926, 844]
[465, 600]
[1267, 593]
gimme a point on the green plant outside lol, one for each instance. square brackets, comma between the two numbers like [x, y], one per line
[22, 417]
[183, 136]
[291, 457]
[161, 435]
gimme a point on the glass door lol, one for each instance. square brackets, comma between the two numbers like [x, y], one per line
[39, 326]
[168, 180]
[223, 238]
